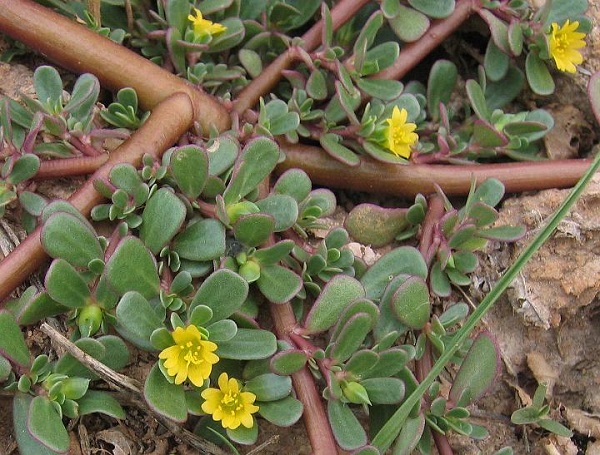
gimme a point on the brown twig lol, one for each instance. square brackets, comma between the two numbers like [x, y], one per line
[169, 120]
[376, 177]
[80, 50]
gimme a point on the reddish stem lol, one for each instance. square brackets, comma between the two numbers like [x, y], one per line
[67, 167]
[376, 177]
[81, 50]
[168, 121]
[412, 53]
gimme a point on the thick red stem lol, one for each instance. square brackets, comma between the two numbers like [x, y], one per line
[375, 177]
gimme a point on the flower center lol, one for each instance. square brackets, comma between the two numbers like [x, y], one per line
[399, 137]
[193, 354]
[230, 403]
[562, 44]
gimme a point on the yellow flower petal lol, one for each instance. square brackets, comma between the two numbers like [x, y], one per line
[203, 27]
[228, 405]
[191, 357]
[563, 44]
[400, 136]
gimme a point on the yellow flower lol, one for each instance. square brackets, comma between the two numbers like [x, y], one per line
[191, 357]
[563, 45]
[400, 136]
[228, 404]
[203, 27]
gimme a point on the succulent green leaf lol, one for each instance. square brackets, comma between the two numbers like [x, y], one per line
[229, 38]
[288, 361]
[361, 361]
[251, 62]
[515, 37]
[539, 77]
[379, 58]
[283, 208]
[200, 315]
[189, 166]
[357, 306]
[384, 390]
[222, 154]
[162, 218]
[383, 89]
[337, 294]
[243, 435]
[347, 430]
[257, 161]
[98, 401]
[499, 94]
[441, 83]
[177, 12]
[411, 303]
[33, 203]
[223, 292]
[223, 330]
[248, 344]
[28, 445]
[83, 97]
[561, 11]
[133, 268]
[163, 397]
[440, 284]
[316, 86]
[68, 237]
[504, 233]
[495, 62]
[24, 167]
[477, 99]
[409, 437]
[274, 253]
[408, 24]
[351, 336]
[12, 342]
[283, 413]
[5, 369]
[555, 427]
[269, 387]
[204, 240]
[498, 28]
[254, 229]
[137, 320]
[331, 143]
[45, 425]
[278, 284]
[48, 87]
[390, 362]
[477, 371]
[437, 9]
[294, 183]
[65, 285]
[405, 259]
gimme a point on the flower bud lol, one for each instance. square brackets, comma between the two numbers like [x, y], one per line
[89, 320]
[355, 393]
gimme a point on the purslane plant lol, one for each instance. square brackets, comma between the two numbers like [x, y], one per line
[202, 242]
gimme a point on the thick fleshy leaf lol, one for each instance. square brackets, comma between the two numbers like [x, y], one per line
[163, 397]
[357, 306]
[331, 143]
[400, 260]
[12, 342]
[288, 361]
[229, 38]
[189, 166]
[439, 282]
[504, 233]
[248, 344]
[477, 371]
[83, 97]
[335, 297]
[28, 445]
[243, 435]
[66, 236]
[223, 330]
[46, 425]
[133, 268]
[495, 62]
[136, 319]
[204, 240]
[440, 85]
[351, 336]
[410, 435]
[251, 61]
[539, 77]
[477, 99]
[278, 284]
[436, 9]
[65, 285]
[316, 86]
[384, 390]
[411, 302]
[390, 362]
[498, 28]
[254, 229]
[283, 209]
[283, 413]
[294, 183]
[347, 430]
[162, 218]
[97, 401]
[269, 387]
[374, 225]
[257, 161]
[499, 94]
[409, 24]
[223, 292]
[48, 86]
[24, 167]
[274, 253]
[361, 361]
